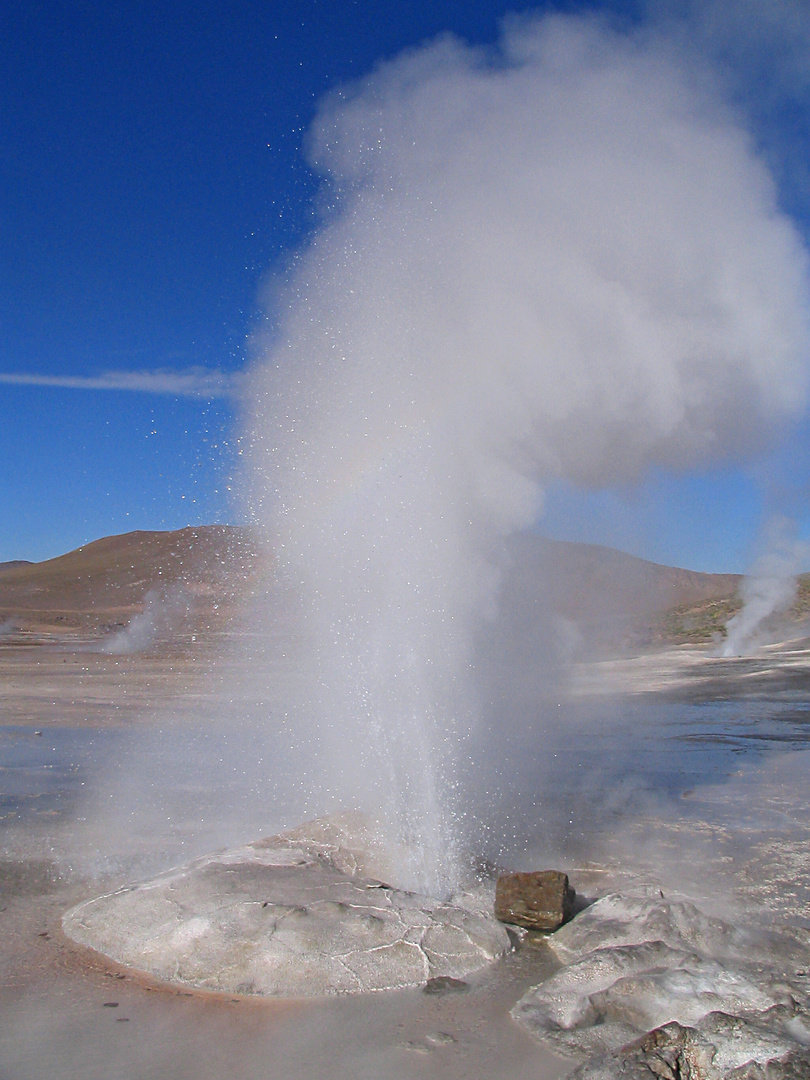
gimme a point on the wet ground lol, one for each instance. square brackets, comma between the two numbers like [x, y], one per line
[705, 789]
[65, 1015]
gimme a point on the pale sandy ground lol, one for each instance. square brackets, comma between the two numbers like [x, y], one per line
[64, 1014]
[698, 671]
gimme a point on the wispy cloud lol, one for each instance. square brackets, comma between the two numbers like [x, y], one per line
[195, 382]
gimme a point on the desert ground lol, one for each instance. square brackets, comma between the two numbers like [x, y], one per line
[672, 766]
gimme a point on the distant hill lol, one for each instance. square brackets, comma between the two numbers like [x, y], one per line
[613, 599]
[605, 596]
[102, 584]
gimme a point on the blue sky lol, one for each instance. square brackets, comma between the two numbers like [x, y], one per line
[152, 177]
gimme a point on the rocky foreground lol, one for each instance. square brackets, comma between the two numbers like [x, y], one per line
[651, 987]
[646, 984]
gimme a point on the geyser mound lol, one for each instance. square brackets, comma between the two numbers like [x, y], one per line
[559, 259]
[294, 915]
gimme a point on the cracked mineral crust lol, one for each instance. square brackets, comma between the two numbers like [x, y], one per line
[291, 915]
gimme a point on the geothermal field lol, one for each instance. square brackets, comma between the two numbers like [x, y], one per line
[146, 751]
[259, 786]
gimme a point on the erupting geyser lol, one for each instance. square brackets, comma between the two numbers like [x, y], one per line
[559, 259]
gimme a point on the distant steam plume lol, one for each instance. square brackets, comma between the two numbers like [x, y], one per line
[163, 609]
[560, 258]
[767, 589]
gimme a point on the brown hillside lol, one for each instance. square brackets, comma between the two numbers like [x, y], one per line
[588, 577]
[609, 596]
[613, 599]
[105, 582]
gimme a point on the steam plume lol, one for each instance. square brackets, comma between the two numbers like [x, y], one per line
[768, 589]
[162, 609]
[561, 258]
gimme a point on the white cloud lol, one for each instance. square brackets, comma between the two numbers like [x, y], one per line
[196, 382]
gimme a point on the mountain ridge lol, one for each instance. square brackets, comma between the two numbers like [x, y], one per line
[102, 584]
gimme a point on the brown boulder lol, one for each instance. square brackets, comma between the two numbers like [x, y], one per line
[538, 900]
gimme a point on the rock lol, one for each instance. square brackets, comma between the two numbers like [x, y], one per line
[292, 915]
[445, 984]
[439, 1038]
[686, 992]
[538, 900]
[645, 915]
[723, 1048]
[671, 1052]
[566, 1001]
[651, 987]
